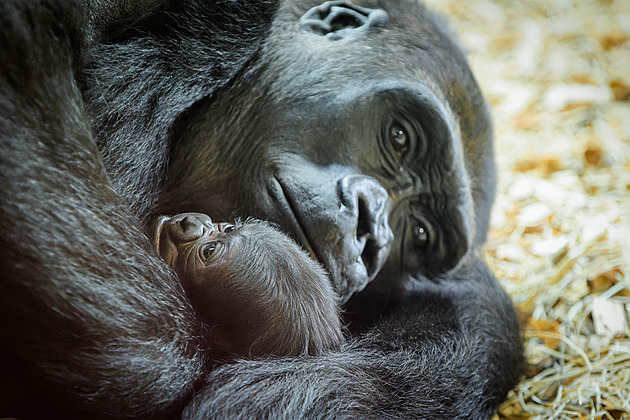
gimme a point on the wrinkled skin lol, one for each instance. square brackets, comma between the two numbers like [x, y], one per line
[255, 289]
[358, 129]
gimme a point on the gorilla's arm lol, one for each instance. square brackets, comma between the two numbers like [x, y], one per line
[452, 352]
[92, 321]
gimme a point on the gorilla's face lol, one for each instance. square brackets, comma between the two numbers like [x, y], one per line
[359, 140]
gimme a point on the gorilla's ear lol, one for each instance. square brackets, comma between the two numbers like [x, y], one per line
[338, 20]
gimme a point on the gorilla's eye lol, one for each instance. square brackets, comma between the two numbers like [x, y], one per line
[421, 235]
[399, 139]
[210, 251]
[228, 228]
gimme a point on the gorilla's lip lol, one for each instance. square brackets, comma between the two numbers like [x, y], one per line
[284, 198]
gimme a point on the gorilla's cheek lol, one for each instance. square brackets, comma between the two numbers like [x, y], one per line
[341, 217]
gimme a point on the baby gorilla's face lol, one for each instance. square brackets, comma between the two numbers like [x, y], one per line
[258, 291]
[191, 243]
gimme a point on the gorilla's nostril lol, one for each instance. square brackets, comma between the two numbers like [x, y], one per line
[370, 259]
[365, 220]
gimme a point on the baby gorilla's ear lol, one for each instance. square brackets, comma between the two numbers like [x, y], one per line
[163, 244]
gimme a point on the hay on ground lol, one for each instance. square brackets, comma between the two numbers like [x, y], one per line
[557, 76]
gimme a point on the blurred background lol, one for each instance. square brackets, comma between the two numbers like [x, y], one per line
[557, 77]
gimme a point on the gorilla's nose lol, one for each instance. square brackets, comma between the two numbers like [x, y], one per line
[369, 204]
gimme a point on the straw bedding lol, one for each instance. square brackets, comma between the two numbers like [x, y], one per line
[557, 76]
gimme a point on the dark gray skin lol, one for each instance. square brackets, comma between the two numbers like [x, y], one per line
[255, 289]
[360, 131]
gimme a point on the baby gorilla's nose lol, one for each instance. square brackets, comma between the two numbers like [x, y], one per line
[185, 224]
[190, 226]
[188, 229]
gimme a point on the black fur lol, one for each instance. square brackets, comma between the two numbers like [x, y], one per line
[103, 110]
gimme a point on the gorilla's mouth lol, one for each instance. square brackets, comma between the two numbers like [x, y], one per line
[352, 239]
[283, 199]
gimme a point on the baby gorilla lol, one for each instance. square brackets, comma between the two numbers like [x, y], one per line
[259, 293]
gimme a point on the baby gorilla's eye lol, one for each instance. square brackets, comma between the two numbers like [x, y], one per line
[210, 251]
[228, 228]
[399, 139]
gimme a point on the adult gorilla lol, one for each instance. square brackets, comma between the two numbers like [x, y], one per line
[360, 130]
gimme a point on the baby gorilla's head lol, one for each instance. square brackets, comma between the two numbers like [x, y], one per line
[256, 289]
